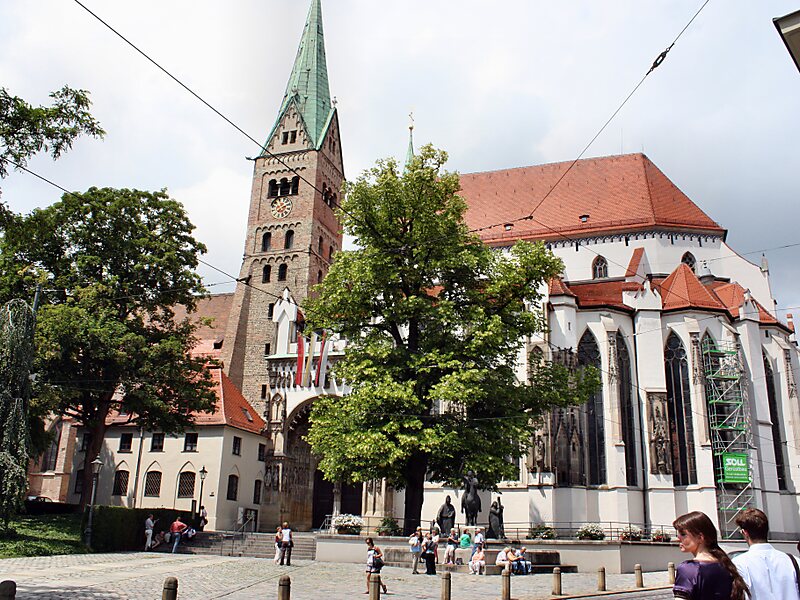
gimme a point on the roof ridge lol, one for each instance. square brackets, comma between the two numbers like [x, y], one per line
[560, 162]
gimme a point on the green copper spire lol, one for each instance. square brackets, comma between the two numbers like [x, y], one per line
[308, 83]
[410, 151]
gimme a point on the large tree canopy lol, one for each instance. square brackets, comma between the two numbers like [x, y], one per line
[112, 263]
[435, 321]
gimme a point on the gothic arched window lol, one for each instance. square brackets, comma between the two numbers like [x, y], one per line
[266, 273]
[775, 418]
[679, 412]
[266, 241]
[599, 268]
[283, 270]
[689, 260]
[627, 414]
[288, 240]
[50, 457]
[589, 355]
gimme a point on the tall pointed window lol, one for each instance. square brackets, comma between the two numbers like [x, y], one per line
[288, 239]
[266, 241]
[266, 273]
[626, 410]
[679, 412]
[283, 271]
[599, 268]
[775, 418]
[589, 355]
[689, 260]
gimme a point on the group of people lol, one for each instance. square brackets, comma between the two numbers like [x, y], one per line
[283, 545]
[177, 530]
[761, 573]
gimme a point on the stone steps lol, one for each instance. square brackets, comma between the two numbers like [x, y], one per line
[253, 545]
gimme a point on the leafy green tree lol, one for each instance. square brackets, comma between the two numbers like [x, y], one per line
[16, 356]
[113, 264]
[435, 321]
[26, 130]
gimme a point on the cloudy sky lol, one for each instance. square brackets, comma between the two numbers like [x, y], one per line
[496, 84]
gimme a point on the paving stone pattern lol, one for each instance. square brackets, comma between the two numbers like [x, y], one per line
[140, 576]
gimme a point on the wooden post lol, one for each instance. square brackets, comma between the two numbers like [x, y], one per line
[601, 579]
[671, 570]
[170, 591]
[284, 588]
[557, 581]
[446, 585]
[637, 569]
[8, 590]
[505, 584]
[375, 586]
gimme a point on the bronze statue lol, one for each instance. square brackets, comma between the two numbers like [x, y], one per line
[496, 527]
[470, 501]
[446, 517]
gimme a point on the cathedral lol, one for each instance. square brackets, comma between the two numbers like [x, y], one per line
[698, 408]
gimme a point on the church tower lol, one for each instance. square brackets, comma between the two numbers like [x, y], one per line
[292, 230]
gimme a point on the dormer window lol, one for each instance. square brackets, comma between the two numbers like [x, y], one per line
[584, 218]
[289, 137]
[689, 260]
[599, 268]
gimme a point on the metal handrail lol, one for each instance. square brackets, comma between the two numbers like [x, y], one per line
[237, 531]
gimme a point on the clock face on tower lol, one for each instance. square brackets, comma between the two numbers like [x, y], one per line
[281, 207]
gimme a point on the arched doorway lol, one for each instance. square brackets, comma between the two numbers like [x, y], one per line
[323, 499]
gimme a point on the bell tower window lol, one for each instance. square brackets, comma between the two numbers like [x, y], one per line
[288, 240]
[266, 241]
[286, 187]
[266, 273]
[295, 185]
[283, 271]
[273, 188]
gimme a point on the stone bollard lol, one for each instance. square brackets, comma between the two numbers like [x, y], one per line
[446, 583]
[671, 570]
[637, 569]
[557, 581]
[601, 579]
[505, 584]
[170, 591]
[375, 587]
[8, 590]
[284, 588]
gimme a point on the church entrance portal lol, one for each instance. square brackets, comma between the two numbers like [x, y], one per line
[323, 499]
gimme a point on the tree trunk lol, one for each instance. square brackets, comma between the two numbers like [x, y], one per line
[415, 491]
[98, 433]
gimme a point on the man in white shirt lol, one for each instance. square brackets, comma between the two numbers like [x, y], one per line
[149, 525]
[769, 573]
[478, 540]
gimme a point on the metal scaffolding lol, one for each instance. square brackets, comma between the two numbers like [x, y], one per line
[729, 430]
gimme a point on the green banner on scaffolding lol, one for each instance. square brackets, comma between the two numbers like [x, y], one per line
[735, 468]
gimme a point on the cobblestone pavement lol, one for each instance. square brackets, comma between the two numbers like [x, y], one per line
[140, 576]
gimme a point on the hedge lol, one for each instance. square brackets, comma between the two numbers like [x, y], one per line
[116, 528]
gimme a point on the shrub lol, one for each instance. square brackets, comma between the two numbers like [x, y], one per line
[541, 531]
[389, 526]
[116, 528]
[630, 533]
[348, 524]
[591, 531]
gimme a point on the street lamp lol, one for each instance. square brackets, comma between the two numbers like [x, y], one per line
[203, 474]
[97, 465]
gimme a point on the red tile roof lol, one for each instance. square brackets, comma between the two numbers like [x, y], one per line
[732, 296]
[231, 407]
[618, 193]
[682, 289]
[210, 337]
[603, 294]
[559, 288]
[633, 265]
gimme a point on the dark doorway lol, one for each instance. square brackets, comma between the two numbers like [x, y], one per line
[323, 499]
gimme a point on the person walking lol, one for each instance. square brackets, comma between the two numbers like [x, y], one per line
[477, 564]
[286, 545]
[374, 562]
[149, 525]
[278, 539]
[452, 544]
[428, 555]
[415, 542]
[711, 575]
[175, 530]
[768, 572]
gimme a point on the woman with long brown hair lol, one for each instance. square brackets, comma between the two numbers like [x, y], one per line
[711, 575]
